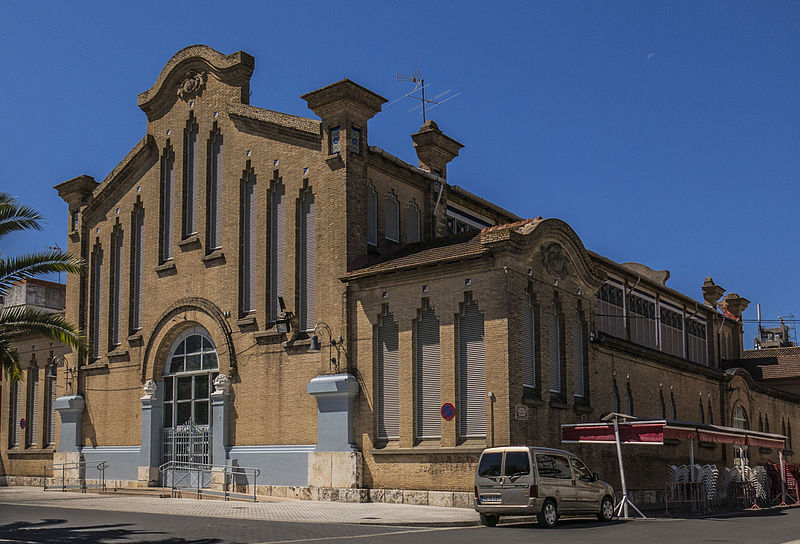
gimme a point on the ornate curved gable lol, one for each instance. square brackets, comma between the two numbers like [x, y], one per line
[186, 75]
[552, 245]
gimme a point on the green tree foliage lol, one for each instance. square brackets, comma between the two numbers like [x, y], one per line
[21, 320]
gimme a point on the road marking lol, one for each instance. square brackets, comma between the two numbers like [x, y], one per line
[372, 535]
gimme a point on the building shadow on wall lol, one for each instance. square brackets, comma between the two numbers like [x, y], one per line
[53, 530]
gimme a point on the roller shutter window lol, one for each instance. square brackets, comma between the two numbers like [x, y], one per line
[696, 340]
[471, 372]
[428, 376]
[392, 218]
[554, 351]
[372, 215]
[642, 312]
[277, 247]
[33, 407]
[95, 306]
[671, 318]
[215, 194]
[579, 357]
[308, 241]
[115, 281]
[248, 243]
[51, 410]
[388, 373]
[412, 225]
[16, 409]
[190, 177]
[528, 344]
[611, 309]
[136, 267]
[167, 203]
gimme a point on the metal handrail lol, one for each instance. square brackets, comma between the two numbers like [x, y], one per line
[101, 466]
[227, 470]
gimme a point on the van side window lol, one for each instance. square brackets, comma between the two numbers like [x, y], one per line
[581, 472]
[490, 465]
[553, 466]
[517, 463]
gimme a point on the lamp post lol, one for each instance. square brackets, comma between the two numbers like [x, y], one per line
[336, 343]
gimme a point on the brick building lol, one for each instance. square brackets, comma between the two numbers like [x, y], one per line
[233, 241]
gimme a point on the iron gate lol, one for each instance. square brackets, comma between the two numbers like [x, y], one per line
[188, 446]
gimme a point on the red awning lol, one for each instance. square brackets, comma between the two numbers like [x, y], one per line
[654, 432]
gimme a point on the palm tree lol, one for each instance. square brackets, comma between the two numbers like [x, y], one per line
[22, 320]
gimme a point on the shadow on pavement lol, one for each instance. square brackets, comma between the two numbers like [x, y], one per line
[53, 530]
[563, 524]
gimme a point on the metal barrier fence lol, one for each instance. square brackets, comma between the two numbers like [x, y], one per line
[691, 494]
[79, 478]
[179, 475]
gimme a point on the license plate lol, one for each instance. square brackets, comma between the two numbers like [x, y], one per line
[491, 498]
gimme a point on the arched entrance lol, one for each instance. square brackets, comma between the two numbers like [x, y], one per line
[189, 372]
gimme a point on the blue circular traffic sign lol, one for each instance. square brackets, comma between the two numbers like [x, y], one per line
[448, 411]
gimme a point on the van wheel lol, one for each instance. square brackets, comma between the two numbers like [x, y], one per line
[548, 515]
[490, 520]
[606, 509]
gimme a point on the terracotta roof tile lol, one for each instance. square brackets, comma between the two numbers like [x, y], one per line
[793, 351]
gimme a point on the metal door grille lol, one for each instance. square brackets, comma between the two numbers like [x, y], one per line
[187, 443]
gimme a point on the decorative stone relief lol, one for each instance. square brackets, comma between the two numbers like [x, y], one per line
[192, 85]
[222, 385]
[149, 389]
[555, 260]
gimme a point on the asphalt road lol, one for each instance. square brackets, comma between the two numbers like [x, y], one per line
[56, 525]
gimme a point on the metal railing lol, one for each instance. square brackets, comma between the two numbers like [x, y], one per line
[185, 475]
[80, 466]
[691, 494]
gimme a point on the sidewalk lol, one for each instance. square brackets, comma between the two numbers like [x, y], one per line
[271, 509]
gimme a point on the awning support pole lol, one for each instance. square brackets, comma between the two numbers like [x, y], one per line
[623, 504]
[783, 478]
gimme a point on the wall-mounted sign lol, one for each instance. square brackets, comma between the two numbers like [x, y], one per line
[23, 423]
[521, 412]
[448, 411]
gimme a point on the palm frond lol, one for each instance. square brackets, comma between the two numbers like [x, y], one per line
[16, 217]
[26, 266]
[9, 362]
[25, 320]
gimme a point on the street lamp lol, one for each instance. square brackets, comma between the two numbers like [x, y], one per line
[336, 343]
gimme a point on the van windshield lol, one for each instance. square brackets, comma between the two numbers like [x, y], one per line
[517, 463]
[489, 466]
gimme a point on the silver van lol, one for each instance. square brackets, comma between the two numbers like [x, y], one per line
[547, 482]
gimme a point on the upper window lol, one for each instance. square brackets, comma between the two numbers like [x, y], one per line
[413, 224]
[740, 418]
[372, 215]
[392, 218]
[334, 140]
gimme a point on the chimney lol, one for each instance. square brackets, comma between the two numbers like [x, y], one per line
[712, 292]
[735, 305]
[434, 148]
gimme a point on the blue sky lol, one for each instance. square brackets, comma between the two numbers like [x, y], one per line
[664, 133]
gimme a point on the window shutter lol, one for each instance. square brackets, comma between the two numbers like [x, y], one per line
[528, 344]
[249, 227]
[388, 379]
[611, 311]
[190, 196]
[136, 273]
[215, 195]
[372, 215]
[33, 414]
[277, 247]
[579, 357]
[308, 262]
[472, 377]
[17, 408]
[555, 353]
[97, 289]
[168, 204]
[392, 219]
[51, 410]
[413, 224]
[428, 374]
[116, 272]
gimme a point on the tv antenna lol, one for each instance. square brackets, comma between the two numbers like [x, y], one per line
[56, 247]
[424, 103]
